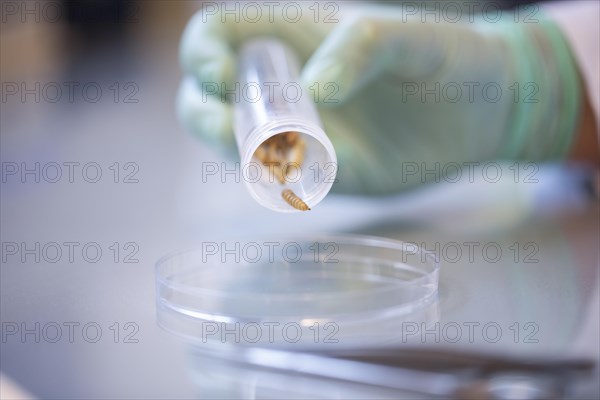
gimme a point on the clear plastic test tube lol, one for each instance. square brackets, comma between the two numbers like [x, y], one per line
[270, 102]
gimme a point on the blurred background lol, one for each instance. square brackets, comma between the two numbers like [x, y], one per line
[96, 83]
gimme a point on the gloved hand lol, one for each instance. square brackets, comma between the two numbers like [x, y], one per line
[414, 98]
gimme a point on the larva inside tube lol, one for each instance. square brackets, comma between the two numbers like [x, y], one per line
[294, 201]
[278, 154]
[282, 151]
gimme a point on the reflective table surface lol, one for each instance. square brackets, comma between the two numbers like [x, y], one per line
[77, 280]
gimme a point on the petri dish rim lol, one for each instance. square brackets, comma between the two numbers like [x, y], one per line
[347, 239]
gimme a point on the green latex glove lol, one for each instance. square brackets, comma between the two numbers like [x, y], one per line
[411, 94]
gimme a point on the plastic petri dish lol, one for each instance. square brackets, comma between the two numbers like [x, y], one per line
[302, 291]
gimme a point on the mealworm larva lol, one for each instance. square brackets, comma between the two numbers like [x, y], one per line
[294, 201]
[297, 156]
[275, 170]
[273, 153]
[260, 154]
[292, 137]
[278, 172]
[282, 151]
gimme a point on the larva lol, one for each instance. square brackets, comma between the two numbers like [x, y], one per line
[297, 156]
[291, 138]
[281, 151]
[261, 154]
[277, 171]
[294, 201]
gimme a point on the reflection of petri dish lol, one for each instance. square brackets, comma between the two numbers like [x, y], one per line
[277, 291]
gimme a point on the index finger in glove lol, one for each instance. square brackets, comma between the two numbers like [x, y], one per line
[212, 37]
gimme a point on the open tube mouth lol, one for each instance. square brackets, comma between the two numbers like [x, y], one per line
[309, 179]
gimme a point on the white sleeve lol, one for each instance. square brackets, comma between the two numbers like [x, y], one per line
[580, 23]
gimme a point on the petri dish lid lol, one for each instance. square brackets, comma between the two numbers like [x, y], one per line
[353, 285]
